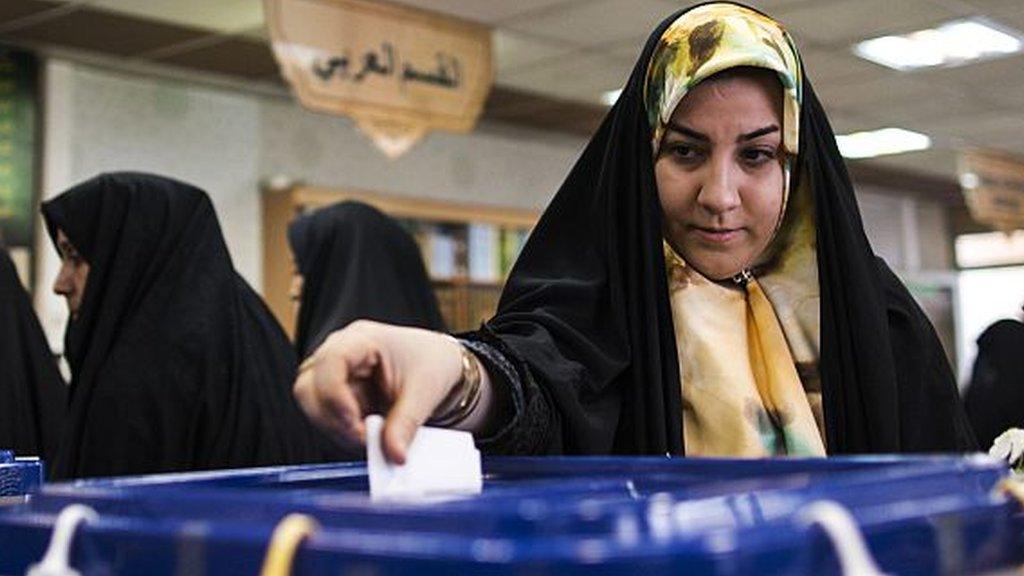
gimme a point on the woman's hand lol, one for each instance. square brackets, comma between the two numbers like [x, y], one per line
[368, 367]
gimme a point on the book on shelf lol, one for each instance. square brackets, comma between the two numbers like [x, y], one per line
[448, 252]
[484, 253]
[512, 242]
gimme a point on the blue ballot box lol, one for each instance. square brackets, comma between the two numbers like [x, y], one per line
[650, 516]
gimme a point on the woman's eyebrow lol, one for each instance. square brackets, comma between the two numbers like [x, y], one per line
[758, 133]
[691, 133]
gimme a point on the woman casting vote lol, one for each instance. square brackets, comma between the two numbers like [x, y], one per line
[701, 284]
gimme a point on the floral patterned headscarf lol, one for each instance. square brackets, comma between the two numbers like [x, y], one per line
[716, 37]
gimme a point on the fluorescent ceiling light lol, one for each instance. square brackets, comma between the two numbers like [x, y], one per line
[610, 97]
[881, 142]
[951, 44]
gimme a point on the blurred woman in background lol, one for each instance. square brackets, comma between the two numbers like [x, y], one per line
[176, 363]
[995, 397]
[355, 262]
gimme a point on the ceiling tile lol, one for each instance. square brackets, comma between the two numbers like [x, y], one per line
[778, 8]
[976, 128]
[1012, 142]
[770, 6]
[221, 15]
[935, 162]
[921, 114]
[526, 108]
[1010, 99]
[842, 23]
[1000, 81]
[1015, 22]
[234, 56]
[99, 31]
[514, 51]
[626, 49]
[583, 76]
[594, 22]
[488, 11]
[255, 33]
[871, 96]
[12, 10]
[1007, 12]
[828, 65]
[845, 123]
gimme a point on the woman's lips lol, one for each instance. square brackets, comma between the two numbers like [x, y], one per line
[716, 235]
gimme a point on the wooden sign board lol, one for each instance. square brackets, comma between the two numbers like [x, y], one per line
[399, 72]
[993, 187]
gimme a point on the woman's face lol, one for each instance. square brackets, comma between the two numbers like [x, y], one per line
[74, 271]
[720, 172]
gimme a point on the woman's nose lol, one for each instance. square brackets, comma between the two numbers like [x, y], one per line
[719, 193]
[62, 284]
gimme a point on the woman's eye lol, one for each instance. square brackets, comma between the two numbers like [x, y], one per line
[758, 155]
[683, 151]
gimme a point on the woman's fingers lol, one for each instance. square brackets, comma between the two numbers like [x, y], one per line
[340, 405]
[369, 368]
[409, 412]
[334, 389]
[306, 397]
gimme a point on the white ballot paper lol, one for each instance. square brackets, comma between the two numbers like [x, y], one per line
[440, 463]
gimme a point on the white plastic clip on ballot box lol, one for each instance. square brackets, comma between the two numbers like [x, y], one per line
[440, 463]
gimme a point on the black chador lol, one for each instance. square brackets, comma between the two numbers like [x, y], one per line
[176, 363]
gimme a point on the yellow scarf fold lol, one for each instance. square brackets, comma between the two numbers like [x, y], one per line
[742, 394]
[778, 382]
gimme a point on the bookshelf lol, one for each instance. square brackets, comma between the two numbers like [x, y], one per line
[468, 249]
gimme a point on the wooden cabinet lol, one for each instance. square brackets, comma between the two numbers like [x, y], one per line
[468, 249]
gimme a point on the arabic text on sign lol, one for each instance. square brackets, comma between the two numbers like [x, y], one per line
[446, 74]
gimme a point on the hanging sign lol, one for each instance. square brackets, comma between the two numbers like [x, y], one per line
[399, 72]
[993, 188]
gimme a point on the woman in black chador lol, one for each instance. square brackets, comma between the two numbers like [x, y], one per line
[176, 363]
[995, 398]
[355, 262]
[33, 396]
[701, 284]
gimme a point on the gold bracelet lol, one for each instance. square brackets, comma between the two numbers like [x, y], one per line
[464, 396]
